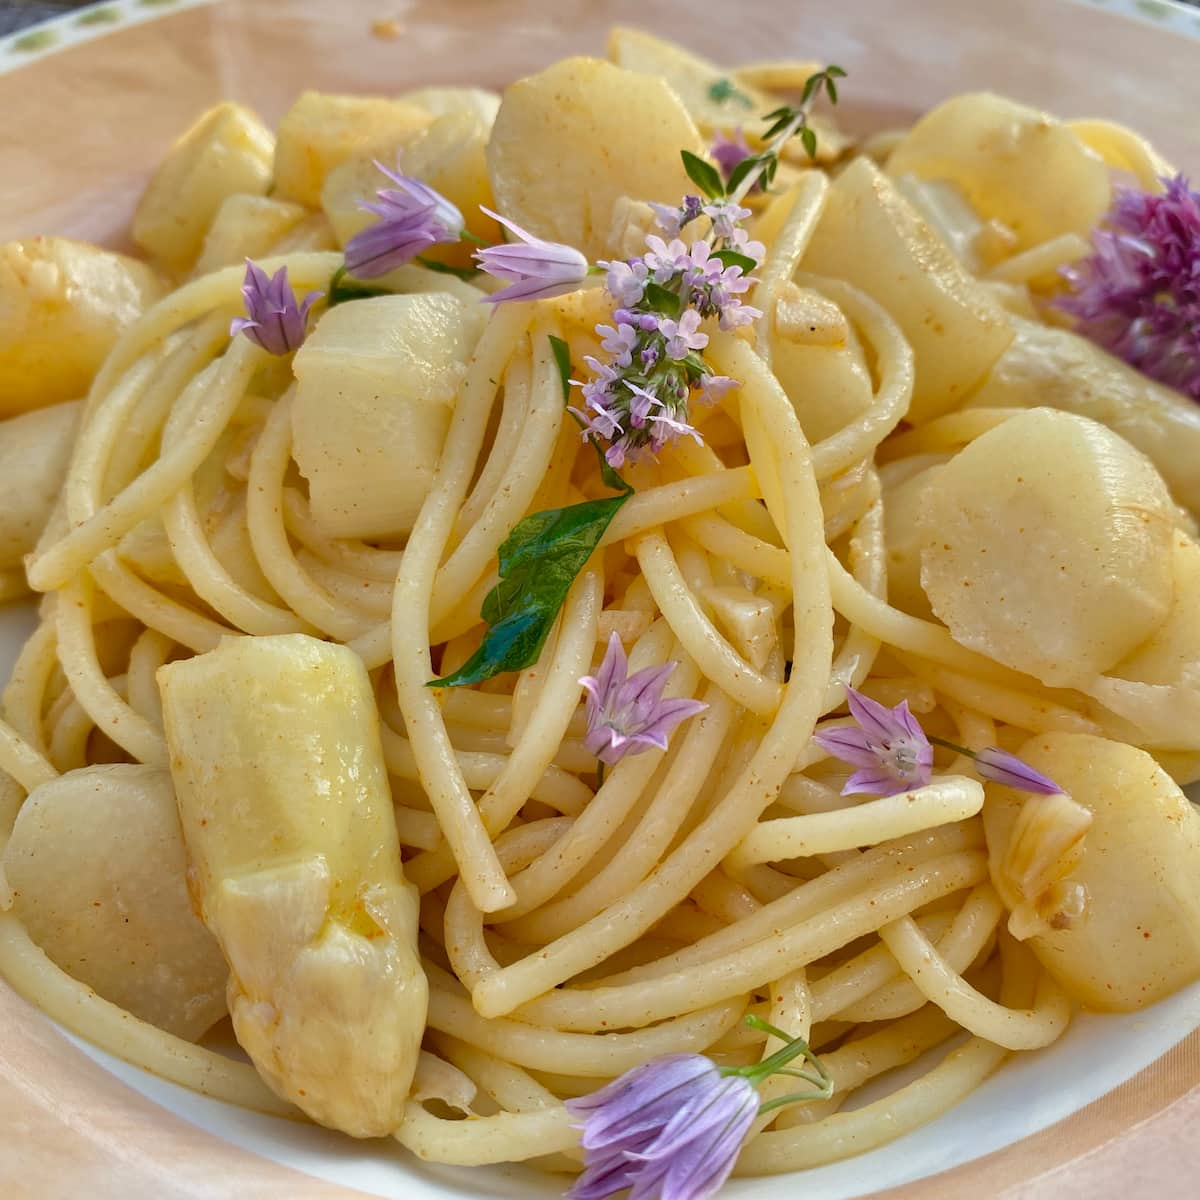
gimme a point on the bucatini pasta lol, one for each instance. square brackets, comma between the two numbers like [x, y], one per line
[761, 633]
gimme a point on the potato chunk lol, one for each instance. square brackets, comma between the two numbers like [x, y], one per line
[440, 101]
[321, 131]
[97, 867]
[377, 381]
[571, 140]
[35, 448]
[1139, 937]
[872, 237]
[1046, 545]
[1014, 164]
[227, 151]
[287, 816]
[1052, 367]
[246, 227]
[62, 306]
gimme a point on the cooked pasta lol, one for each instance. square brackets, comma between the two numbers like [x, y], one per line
[288, 575]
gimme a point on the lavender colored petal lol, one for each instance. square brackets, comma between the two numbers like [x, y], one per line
[848, 743]
[876, 720]
[1001, 767]
[875, 781]
[643, 1098]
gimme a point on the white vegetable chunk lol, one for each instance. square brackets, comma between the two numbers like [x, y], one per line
[1014, 164]
[1046, 546]
[283, 795]
[97, 866]
[872, 237]
[1053, 367]
[62, 306]
[553, 156]
[377, 382]
[246, 226]
[35, 448]
[227, 151]
[1139, 864]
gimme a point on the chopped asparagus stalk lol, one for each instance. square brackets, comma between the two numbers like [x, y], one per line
[287, 817]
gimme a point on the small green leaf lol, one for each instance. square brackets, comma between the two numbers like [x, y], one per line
[722, 90]
[703, 174]
[753, 162]
[731, 258]
[809, 137]
[562, 356]
[661, 300]
[341, 290]
[466, 274]
[539, 560]
[810, 87]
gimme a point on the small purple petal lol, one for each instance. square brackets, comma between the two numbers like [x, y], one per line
[889, 747]
[536, 269]
[626, 713]
[729, 151]
[274, 321]
[1001, 767]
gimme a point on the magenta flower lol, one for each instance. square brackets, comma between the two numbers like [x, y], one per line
[729, 151]
[671, 1128]
[1001, 767]
[1138, 294]
[412, 217]
[274, 320]
[626, 714]
[889, 747]
[535, 269]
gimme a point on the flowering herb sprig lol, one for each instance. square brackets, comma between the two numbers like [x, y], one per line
[274, 319]
[639, 397]
[673, 1127]
[1138, 294]
[893, 753]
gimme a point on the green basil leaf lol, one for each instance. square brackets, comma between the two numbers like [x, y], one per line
[341, 289]
[731, 258]
[539, 560]
[661, 300]
[466, 274]
[703, 174]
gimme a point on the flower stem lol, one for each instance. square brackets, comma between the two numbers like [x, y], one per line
[937, 741]
[772, 151]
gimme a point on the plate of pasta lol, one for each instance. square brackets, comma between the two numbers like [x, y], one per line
[593, 608]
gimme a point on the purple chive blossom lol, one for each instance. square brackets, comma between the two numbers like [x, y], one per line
[535, 269]
[671, 1128]
[1138, 294]
[274, 320]
[626, 714]
[889, 748]
[728, 151]
[999, 766]
[411, 218]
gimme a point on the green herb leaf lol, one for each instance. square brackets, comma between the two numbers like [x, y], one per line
[431, 264]
[808, 136]
[562, 356]
[752, 162]
[722, 90]
[703, 174]
[342, 289]
[661, 300]
[731, 258]
[539, 561]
